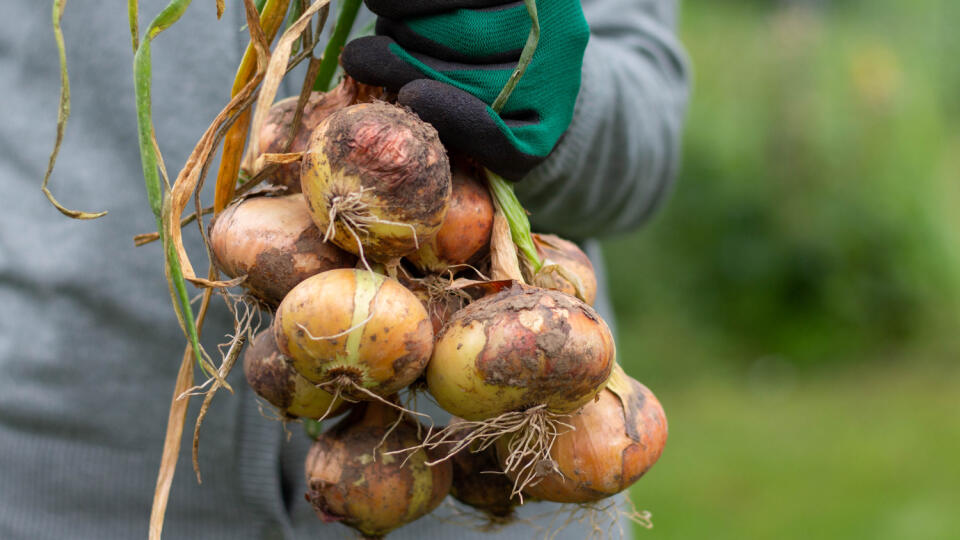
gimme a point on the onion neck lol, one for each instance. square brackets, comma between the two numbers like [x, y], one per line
[502, 190]
[507, 202]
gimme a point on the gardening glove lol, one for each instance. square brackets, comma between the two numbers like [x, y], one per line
[449, 59]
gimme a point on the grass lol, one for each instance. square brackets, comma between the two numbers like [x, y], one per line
[870, 452]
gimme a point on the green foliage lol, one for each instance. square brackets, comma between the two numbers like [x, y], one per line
[815, 217]
[795, 305]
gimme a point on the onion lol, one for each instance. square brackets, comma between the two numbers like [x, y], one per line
[377, 180]
[272, 377]
[517, 349]
[566, 268]
[615, 440]
[478, 482]
[464, 236]
[518, 362]
[353, 478]
[275, 131]
[272, 241]
[360, 332]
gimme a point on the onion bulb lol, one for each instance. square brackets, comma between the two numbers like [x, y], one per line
[464, 236]
[517, 349]
[566, 268]
[353, 478]
[518, 362]
[273, 378]
[615, 440]
[274, 242]
[377, 180]
[275, 131]
[355, 330]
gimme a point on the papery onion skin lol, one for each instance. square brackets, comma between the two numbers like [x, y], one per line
[615, 441]
[563, 252]
[394, 165]
[353, 479]
[274, 242]
[364, 325]
[270, 374]
[276, 129]
[517, 349]
[464, 236]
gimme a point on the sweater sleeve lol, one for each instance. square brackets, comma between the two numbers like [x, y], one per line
[621, 152]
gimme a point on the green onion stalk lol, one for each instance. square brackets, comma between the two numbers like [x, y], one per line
[328, 64]
[500, 189]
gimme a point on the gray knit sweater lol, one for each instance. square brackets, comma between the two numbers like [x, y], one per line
[89, 347]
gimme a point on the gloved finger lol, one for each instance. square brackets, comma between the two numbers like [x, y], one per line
[468, 126]
[380, 61]
[370, 60]
[491, 36]
[400, 9]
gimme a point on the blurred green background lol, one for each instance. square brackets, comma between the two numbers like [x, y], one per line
[796, 304]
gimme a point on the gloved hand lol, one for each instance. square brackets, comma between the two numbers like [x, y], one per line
[449, 59]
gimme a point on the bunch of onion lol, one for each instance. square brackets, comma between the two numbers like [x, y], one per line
[614, 441]
[356, 333]
[354, 477]
[282, 122]
[271, 375]
[274, 243]
[516, 364]
[377, 181]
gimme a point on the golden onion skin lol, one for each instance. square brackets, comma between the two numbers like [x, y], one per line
[270, 374]
[567, 254]
[275, 131]
[355, 323]
[396, 167]
[274, 242]
[464, 236]
[520, 348]
[352, 478]
[616, 440]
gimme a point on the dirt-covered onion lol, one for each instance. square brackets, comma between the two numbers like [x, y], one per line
[356, 331]
[377, 180]
[566, 268]
[478, 482]
[615, 441]
[518, 362]
[273, 378]
[465, 234]
[274, 242]
[517, 349]
[276, 129]
[352, 477]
